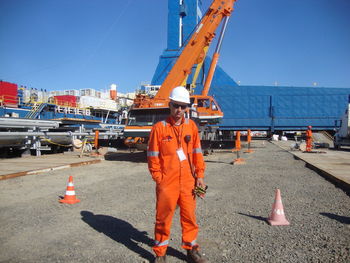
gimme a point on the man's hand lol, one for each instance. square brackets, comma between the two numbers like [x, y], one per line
[157, 177]
[200, 188]
[200, 183]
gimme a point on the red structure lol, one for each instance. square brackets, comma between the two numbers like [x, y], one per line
[66, 100]
[8, 94]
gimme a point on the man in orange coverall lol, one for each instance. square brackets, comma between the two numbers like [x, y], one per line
[173, 146]
[309, 139]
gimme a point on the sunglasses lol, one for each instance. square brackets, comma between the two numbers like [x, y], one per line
[176, 106]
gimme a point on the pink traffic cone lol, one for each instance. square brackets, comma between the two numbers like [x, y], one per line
[277, 217]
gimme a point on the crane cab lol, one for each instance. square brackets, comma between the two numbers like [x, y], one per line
[205, 110]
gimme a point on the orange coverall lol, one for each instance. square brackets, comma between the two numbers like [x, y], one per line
[308, 140]
[174, 180]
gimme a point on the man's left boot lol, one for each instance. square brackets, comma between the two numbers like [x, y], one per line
[194, 256]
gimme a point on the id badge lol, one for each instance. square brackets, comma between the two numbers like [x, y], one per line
[181, 154]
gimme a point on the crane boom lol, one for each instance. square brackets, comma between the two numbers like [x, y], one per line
[192, 52]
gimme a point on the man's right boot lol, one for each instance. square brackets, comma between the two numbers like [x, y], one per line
[194, 256]
[160, 259]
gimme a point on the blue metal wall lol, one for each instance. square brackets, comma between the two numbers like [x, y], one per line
[280, 108]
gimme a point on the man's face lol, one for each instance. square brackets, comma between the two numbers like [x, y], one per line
[177, 109]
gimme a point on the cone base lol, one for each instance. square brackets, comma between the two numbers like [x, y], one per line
[236, 150]
[69, 201]
[278, 223]
[238, 161]
[249, 151]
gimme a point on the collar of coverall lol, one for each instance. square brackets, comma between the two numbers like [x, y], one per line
[171, 120]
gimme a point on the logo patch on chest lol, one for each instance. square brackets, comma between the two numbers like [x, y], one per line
[167, 139]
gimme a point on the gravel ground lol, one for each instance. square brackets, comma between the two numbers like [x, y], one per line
[114, 220]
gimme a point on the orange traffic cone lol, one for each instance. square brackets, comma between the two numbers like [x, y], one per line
[69, 197]
[277, 217]
[237, 142]
[249, 139]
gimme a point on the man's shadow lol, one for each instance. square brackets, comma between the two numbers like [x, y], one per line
[124, 233]
[341, 219]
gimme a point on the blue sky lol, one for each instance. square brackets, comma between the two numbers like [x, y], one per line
[76, 44]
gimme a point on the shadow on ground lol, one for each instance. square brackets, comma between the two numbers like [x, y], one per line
[125, 234]
[342, 149]
[137, 157]
[341, 219]
[209, 161]
[255, 217]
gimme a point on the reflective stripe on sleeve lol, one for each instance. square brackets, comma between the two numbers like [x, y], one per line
[159, 244]
[197, 150]
[150, 153]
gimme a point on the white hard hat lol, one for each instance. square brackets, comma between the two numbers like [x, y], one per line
[180, 94]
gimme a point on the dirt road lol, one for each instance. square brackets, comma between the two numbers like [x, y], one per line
[114, 220]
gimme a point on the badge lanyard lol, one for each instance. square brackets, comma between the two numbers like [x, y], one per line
[178, 135]
[179, 151]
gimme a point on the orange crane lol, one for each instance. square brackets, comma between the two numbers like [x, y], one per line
[147, 110]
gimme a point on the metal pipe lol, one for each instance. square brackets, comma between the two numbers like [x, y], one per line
[222, 33]
[27, 123]
[215, 59]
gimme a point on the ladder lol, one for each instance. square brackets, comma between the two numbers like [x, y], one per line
[36, 110]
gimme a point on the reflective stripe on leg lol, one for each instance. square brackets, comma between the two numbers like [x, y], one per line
[159, 244]
[189, 245]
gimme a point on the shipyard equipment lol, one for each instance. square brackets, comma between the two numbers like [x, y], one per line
[18, 135]
[148, 109]
[342, 137]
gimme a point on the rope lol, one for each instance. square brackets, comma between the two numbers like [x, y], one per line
[49, 141]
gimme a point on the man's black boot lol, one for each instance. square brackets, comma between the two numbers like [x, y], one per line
[194, 256]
